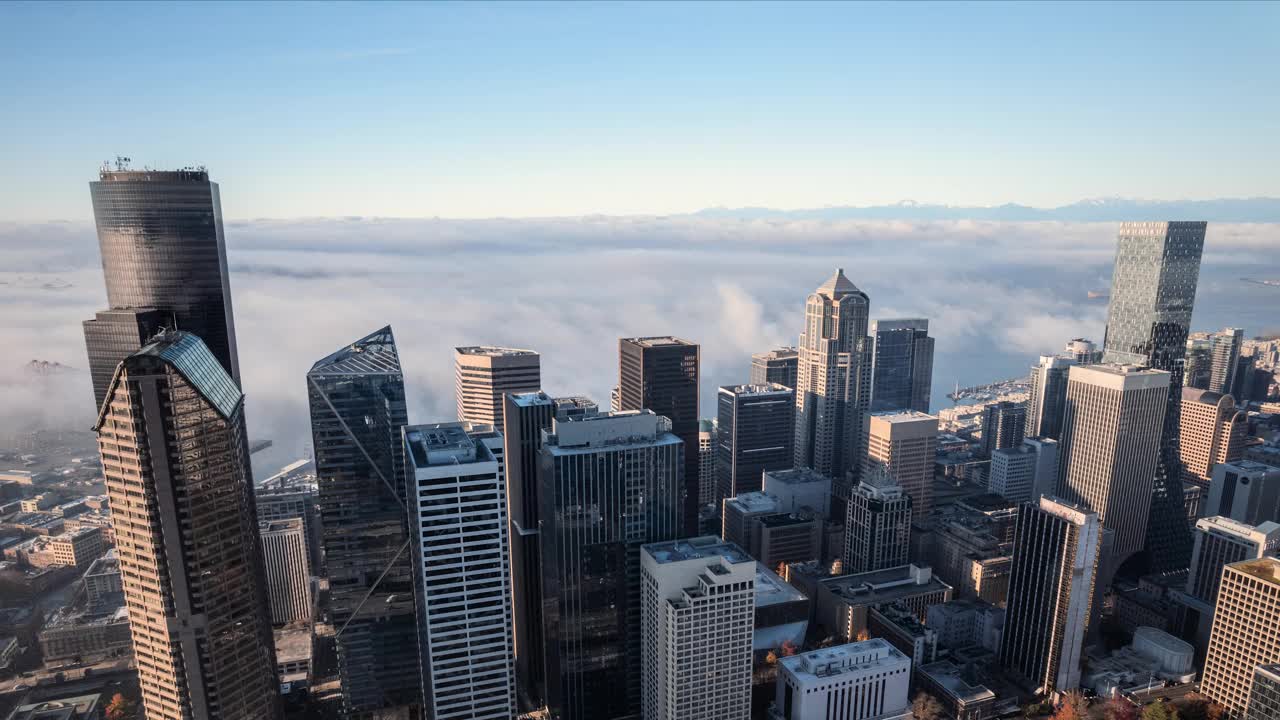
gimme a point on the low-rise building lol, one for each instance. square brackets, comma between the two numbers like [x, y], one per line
[1154, 654]
[844, 601]
[294, 650]
[102, 582]
[962, 699]
[866, 680]
[71, 634]
[895, 623]
[966, 623]
[88, 706]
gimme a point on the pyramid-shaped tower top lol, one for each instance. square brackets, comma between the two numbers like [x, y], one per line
[373, 354]
[838, 286]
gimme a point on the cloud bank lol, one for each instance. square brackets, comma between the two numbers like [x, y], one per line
[996, 293]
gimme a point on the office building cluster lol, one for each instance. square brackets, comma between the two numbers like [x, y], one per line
[817, 548]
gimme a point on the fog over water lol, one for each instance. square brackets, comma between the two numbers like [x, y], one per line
[996, 294]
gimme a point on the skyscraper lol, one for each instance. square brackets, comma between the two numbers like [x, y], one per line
[1048, 396]
[1110, 447]
[708, 450]
[697, 621]
[1004, 425]
[776, 366]
[1050, 591]
[877, 531]
[1153, 290]
[483, 374]
[288, 571]
[1224, 351]
[172, 437]
[1244, 632]
[1198, 365]
[756, 432]
[904, 444]
[464, 596]
[358, 410]
[1212, 431]
[525, 418]
[610, 483]
[1264, 696]
[901, 365]
[661, 374]
[1083, 351]
[833, 383]
[165, 262]
[1221, 541]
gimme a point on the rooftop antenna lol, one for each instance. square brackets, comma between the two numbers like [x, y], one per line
[122, 163]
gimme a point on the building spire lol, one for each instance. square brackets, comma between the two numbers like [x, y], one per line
[837, 286]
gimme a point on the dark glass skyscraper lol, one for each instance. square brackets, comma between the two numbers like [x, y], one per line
[160, 234]
[901, 365]
[1153, 291]
[609, 483]
[756, 433]
[1004, 425]
[661, 374]
[357, 413]
[776, 366]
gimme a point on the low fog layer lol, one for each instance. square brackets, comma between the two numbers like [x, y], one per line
[996, 294]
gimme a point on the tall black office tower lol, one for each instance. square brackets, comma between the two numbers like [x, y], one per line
[756, 433]
[661, 374]
[1153, 290]
[901, 365]
[165, 262]
[357, 412]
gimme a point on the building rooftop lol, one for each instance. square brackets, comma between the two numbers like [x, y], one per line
[884, 586]
[754, 502]
[443, 444]
[122, 174]
[852, 657]
[696, 548]
[66, 617]
[948, 677]
[105, 565]
[773, 590]
[760, 389]
[373, 354]
[797, 476]
[292, 644]
[275, 526]
[785, 519]
[493, 351]
[188, 354]
[657, 341]
[572, 432]
[1266, 569]
[781, 353]
[837, 286]
[902, 416]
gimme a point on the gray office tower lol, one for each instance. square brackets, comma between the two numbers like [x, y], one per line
[165, 263]
[357, 413]
[776, 366]
[661, 374]
[756, 433]
[612, 482]
[833, 384]
[878, 524]
[1048, 398]
[901, 365]
[1004, 425]
[1224, 357]
[1153, 290]
[525, 417]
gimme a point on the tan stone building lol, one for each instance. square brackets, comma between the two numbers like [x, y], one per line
[1246, 631]
[1212, 432]
[483, 374]
[904, 443]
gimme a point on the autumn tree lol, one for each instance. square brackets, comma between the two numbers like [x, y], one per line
[926, 707]
[1120, 709]
[1199, 707]
[1159, 711]
[119, 708]
[1072, 706]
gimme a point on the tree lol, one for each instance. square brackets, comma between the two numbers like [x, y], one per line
[863, 636]
[119, 708]
[771, 658]
[1120, 709]
[1072, 706]
[1199, 707]
[926, 707]
[789, 648]
[1159, 711]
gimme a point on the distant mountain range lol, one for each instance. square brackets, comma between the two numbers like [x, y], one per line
[1261, 210]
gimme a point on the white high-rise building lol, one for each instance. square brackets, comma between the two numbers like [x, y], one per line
[833, 381]
[866, 680]
[284, 558]
[1111, 445]
[697, 623]
[1025, 472]
[1245, 490]
[483, 374]
[459, 525]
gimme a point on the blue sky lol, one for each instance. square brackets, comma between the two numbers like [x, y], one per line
[476, 110]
